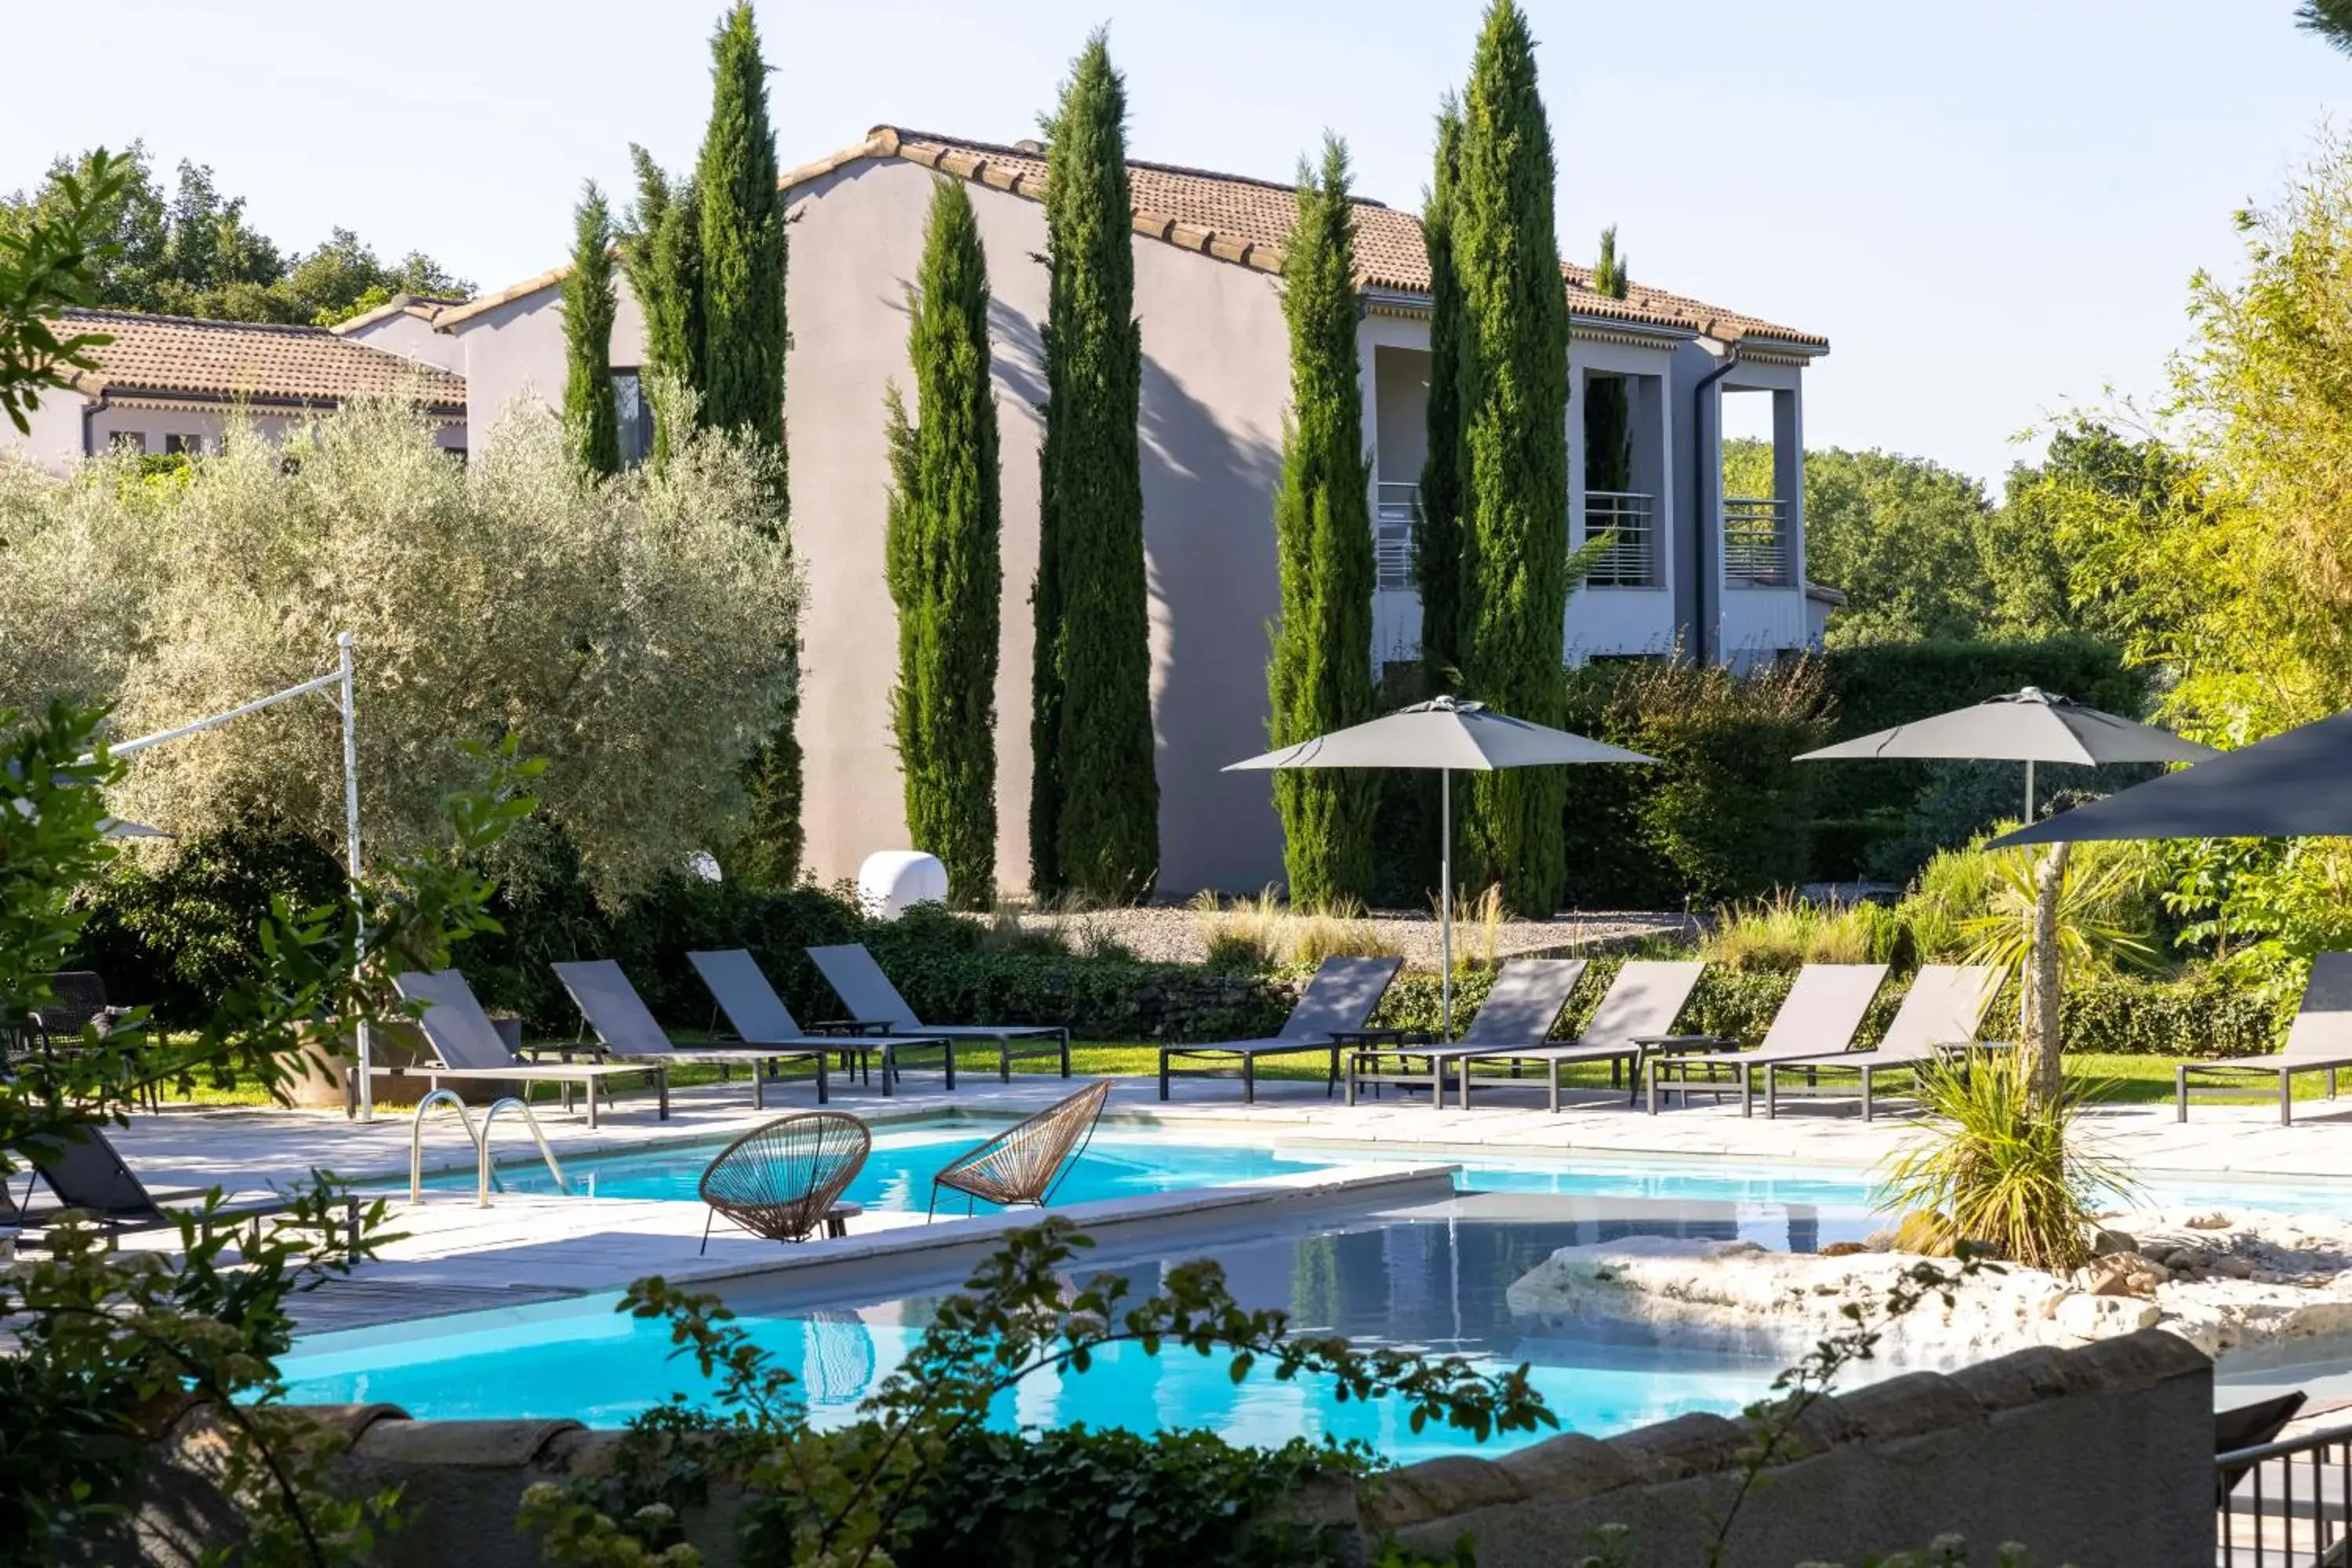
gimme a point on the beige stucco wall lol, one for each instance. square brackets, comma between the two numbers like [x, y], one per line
[412, 337]
[516, 349]
[53, 438]
[1214, 383]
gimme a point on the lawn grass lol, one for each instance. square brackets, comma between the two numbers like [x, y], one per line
[2113, 1080]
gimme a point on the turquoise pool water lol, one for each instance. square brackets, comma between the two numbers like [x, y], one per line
[1427, 1280]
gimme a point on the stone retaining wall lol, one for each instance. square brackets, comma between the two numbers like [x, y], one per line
[2096, 1456]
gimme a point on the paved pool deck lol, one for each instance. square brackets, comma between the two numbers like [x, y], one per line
[456, 1256]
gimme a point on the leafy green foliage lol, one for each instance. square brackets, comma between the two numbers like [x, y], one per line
[50, 258]
[1437, 518]
[1998, 1165]
[1727, 814]
[192, 252]
[743, 243]
[1318, 679]
[1094, 814]
[1608, 399]
[2330, 20]
[943, 556]
[1514, 358]
[592, 420]
[661, 253]
[867, 1493]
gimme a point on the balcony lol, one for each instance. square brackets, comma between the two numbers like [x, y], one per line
[1393, 506]
[1756, 542]
[1629, 519]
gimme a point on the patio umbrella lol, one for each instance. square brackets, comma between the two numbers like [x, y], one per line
[2295, 784]
[108, 826]
[2028, 726]
[1451, 736]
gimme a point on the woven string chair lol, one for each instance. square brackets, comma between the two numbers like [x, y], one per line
[1024, 1164]
[779, 1180]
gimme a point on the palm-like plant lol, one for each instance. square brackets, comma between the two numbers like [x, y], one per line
[1997, 1165]
[2330, 19]
[2045, 915]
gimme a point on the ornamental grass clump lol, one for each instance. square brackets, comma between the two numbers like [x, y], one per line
[1996, 1168]
[1787, 933]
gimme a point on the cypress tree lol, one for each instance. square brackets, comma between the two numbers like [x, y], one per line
[1514, 391]
[1320, 677]
[1437, 523]
[661, 254]
[592, 423]
[743, 237]
[1608, 406]
[1094, 811]
[942, 549]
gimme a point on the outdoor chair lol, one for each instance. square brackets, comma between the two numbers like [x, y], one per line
[467, 1049]
[781, 1180]
[1024, 1163]
[875, 1004]
[1333, 1008]
[757, 1015]
[629, 1032]
[1823, 1011]
[2319, 1040]
[88, 1177]
[1526, 1001]
[77, 1002]
[1638, 1010]
[1939, 1018]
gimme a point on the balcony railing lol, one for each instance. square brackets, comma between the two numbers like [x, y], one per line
[2284, 1505]
[1756, 541]
[1393, 504]
[1630, 518]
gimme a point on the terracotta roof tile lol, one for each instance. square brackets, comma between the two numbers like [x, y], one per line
[1238, 218]
[227, 359]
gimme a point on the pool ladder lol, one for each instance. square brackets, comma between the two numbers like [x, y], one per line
[486, 1177]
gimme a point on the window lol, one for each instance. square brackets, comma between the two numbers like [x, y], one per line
[183, 445]
[129, 441]
[635, 413]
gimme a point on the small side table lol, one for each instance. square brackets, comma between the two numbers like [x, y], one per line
[1655, 1046]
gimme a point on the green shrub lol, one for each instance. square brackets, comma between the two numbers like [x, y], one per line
[1729, 813]
[1787, 933]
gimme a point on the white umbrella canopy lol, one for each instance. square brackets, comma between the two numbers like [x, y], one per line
[1449, 736]
[2028, 726]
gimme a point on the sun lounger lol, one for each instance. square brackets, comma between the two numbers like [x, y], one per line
[628, 1030]
[1640, 1005]
[1942, 1010]
[90, 1181]
[1823, 1011]
[468, 1050]
[874, 1003]
[756, 1014]
[1336, 1003]
[1518, 1014]
[2319, 1040]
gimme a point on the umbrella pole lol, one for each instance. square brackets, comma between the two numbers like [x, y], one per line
[1445, 894]
[2028, 791]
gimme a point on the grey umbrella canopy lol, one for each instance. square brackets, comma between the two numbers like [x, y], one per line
[1450, 736]
[2295, 784]
[2030, 726]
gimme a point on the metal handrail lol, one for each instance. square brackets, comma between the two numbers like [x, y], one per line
[1627, 517]
[1756, 541]
[2260, 1521]
[537, 1136]
[1395, 503]
[416, 1138]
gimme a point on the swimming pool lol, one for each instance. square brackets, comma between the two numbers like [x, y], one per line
[1431, 1279]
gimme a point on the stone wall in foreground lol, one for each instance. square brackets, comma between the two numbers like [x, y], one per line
[2096, 1456]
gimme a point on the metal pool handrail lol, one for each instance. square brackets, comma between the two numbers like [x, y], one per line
[483, 1178]
[2283, 1504]
[537, 1136]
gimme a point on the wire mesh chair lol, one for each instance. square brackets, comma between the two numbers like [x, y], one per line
[780, 1180]
[1024, 1164]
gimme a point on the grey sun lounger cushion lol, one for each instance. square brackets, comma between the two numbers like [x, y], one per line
[468, 1043]
[757, 1015]
[870, 997]
[1339, 1000]
[1943, 1008]
[2319, 1040]
[629, 1031]
[1821, 1013]
[1642, 1002]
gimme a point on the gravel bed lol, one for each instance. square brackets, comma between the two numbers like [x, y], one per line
[1175, 935]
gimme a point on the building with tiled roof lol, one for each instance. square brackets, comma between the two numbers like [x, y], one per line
[1721, 577]
[174, 384]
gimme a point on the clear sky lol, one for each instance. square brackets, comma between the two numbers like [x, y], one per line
[1991, 209]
